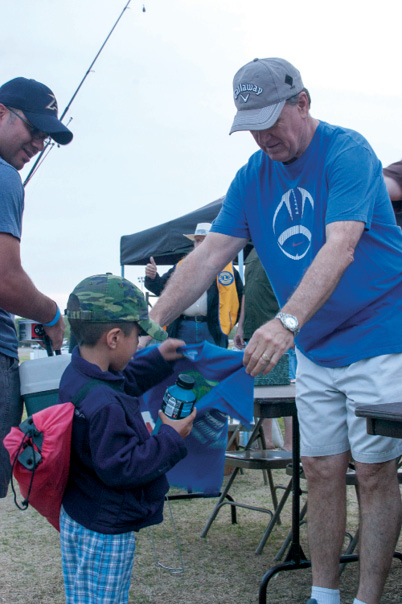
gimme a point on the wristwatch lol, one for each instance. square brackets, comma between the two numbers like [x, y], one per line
[290, 322]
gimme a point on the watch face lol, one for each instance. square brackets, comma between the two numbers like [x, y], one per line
[291, 322]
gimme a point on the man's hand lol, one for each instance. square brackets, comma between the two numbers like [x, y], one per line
[151, 269]
[168, 349]
[271, 340]
[182, 426]
[56, 333]
[238, 340]
[266, 347]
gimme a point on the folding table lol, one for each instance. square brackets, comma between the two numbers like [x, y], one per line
[382, 419]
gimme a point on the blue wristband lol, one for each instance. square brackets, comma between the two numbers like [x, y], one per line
[55, 320]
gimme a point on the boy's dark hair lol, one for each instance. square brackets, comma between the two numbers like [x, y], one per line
[87, 333]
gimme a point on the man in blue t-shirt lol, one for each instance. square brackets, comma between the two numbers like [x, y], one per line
[314, 202]
[28, 117]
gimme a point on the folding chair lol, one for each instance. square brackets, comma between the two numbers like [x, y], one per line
[258, 459]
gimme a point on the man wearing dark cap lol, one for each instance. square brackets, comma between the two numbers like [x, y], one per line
[314, 202]
[28, 117]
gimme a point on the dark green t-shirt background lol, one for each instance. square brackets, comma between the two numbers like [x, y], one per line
[260, 301]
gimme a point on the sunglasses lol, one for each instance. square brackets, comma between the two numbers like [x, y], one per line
[35, 133]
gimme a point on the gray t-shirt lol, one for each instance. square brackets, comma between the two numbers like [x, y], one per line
[394, 171]
[11, 210]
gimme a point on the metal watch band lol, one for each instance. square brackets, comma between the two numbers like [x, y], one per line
[283, 316]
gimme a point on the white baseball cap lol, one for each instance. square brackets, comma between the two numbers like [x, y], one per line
[202, 229]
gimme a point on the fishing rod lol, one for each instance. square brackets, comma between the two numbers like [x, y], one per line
[48, 147]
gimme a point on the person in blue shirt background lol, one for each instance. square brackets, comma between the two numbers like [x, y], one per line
[28, 117]
[314, 202]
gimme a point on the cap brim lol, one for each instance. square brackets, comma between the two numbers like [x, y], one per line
[153, 329]
[257, 119]
[51, 125]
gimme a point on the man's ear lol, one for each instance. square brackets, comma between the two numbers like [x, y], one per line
[112, 337]
[3, 110]
[303, 104]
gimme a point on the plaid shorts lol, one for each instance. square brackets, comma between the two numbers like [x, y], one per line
[97, 568]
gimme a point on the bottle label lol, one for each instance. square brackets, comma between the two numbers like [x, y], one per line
[174, 408]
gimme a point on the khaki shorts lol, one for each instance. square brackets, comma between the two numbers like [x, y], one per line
[326, 401]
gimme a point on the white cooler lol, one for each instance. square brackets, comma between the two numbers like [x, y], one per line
[40, 379]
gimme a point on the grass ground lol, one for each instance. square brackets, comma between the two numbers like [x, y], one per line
[222, 568]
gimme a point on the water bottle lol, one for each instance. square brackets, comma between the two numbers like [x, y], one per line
[179, 399]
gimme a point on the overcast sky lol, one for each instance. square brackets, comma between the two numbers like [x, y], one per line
[151, 122]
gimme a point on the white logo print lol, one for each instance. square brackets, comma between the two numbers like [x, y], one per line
[247, 88]
[292, 223]
[53, 103]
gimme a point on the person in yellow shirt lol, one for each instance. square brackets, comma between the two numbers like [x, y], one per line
[214, 314]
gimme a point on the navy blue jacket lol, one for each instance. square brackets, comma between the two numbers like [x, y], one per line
[117, 479]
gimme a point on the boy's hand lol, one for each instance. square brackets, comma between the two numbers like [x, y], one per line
[182, 426]
[144, 341]
[168, 349]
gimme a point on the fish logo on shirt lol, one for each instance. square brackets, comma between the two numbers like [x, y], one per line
[292, 221]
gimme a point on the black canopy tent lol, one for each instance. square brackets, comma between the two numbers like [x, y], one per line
[165, 242]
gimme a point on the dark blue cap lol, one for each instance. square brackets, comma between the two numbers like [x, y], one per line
[39, 105]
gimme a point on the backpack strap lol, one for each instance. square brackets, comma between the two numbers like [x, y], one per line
[32, 436]
[83, 391]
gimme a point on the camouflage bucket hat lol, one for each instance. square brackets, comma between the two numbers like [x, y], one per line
[111, 299]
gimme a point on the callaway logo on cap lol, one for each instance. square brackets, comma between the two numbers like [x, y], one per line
[39, 105]
[261, 89]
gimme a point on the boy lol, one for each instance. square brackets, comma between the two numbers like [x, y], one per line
[117, 480]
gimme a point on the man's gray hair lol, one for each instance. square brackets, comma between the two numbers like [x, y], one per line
[293, 99]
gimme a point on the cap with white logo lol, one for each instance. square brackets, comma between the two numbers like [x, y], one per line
[39, 105]
[261, 89]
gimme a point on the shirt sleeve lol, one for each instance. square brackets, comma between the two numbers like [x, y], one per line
[147, 369]
[11, 201]
[157, 285]
[124, 456]
[353, 182]
[232, 220]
